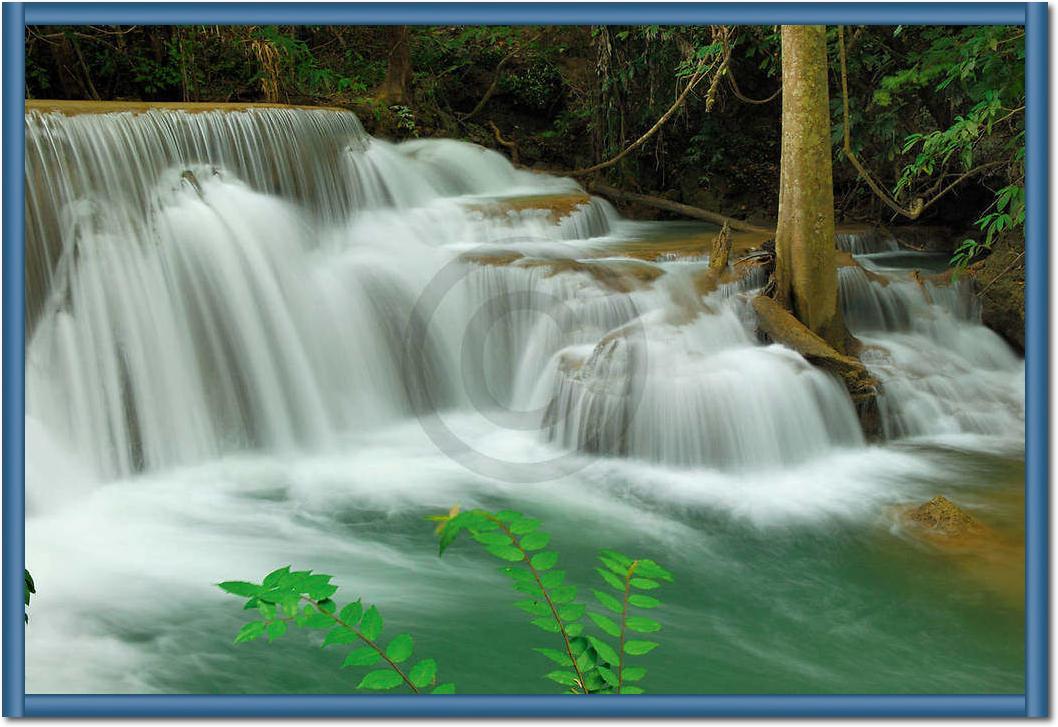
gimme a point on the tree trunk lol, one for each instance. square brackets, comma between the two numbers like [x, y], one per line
[806, 264]
[394, 89]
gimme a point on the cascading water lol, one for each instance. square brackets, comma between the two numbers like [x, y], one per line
[220, 377]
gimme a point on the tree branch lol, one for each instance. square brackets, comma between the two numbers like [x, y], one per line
[918, 206]
[681, 209]
[698, 75]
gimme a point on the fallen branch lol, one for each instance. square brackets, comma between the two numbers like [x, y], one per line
[681, 209]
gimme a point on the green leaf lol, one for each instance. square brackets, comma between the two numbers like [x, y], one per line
[351, 613]
[633, 673]
[364, 656]
[574, 629]
[572, 612]
[530, 588]
[380, 679]
[641, 601]
[276, 629]
[629, 689]
[535, 541]
[400, 648]
[608, 676]
[535, 608]
[506, 552]
[565, 678]
[545, 560]
[317, 621]
[614, 567]
[448, 535]
[650, 569]
[267, 610]
[552, 578]
[636, 647]
[508, 516]
[607, 600]
[326, 605]
[559, 657]
[615, 582]
[447, 688]
[371, 625]
[524, 526]
[605, 623]
[604, 650]
[339, 635]
[273, 579]
[645, 584]
[547, 624]
[620, 558]
[318, 586]
[493, 538]
[423, 673]
[563, 594]
[250, 631]
[642, 624]
[518, 575]
[240, 588]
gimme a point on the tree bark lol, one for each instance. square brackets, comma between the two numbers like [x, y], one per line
[806, 260]
[394, 88]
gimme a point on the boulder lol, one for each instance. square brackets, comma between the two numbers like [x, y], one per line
[941, 516]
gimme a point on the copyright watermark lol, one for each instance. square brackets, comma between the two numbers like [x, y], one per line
[591, 402]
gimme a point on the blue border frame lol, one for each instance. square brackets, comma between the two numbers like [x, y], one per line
[1036, 700]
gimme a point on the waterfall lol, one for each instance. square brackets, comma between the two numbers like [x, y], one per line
[942, 371]
[203, 283]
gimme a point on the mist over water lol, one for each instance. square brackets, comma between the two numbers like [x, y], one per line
[263, 337]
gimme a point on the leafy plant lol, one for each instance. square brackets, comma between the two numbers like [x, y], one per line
[405, 120]
[1008, 213]
[304, 599]
[588, 663]
[28, 587]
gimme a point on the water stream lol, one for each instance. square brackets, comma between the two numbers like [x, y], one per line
[220, 380]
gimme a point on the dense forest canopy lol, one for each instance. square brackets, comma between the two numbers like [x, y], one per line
[935, 113]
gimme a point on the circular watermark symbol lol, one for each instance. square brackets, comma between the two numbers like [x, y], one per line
[591, 404]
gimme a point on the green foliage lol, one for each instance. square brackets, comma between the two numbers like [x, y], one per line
[589, 663]
[1006, 213]
[304, 599]
[304, 69]
[946, 106]
[406, 120]
[28, 587]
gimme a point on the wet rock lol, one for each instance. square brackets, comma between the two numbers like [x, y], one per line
[943, 517]
[556, 206]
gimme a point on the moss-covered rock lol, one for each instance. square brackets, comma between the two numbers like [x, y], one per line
[941, 516]
[1001, 286]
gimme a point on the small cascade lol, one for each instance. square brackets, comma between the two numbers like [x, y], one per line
[699, 394]
[866, 242]
[942, 371]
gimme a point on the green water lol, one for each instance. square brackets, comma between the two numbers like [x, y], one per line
[828, 606]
